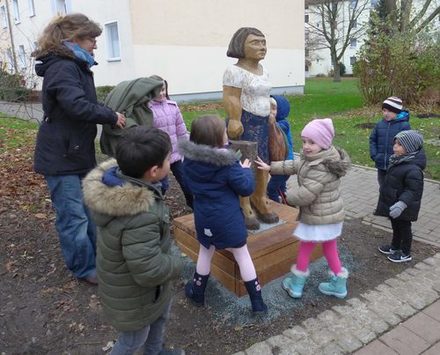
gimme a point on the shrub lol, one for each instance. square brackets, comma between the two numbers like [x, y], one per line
[12, 88]
[103, 91]
[403, 64]
[342, 70]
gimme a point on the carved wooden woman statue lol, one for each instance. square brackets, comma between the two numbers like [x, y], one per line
[246, 94]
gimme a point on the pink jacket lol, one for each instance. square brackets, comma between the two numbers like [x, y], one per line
[168, 118]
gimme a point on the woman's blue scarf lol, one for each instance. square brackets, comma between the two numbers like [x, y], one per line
[80, 53]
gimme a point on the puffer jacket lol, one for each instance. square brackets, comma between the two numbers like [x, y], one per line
[216, 180]
[134, 264]
[167, 117]
[382, 138]
[319, 176]
[403, 182]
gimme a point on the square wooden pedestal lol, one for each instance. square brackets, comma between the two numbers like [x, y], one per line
[273, 250]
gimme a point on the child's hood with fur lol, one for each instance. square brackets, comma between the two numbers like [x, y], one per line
[115, 201]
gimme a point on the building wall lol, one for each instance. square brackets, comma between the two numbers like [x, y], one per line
[182, 41]
[190, 50]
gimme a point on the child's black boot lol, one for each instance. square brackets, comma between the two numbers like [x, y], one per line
[195, 289]
[254, 290]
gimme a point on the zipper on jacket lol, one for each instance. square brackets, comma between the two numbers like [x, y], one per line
[386, 147]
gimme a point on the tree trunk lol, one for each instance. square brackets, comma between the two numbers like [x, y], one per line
[336, 72]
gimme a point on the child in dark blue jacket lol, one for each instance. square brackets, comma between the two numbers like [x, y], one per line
[280, 109]
[395, 120]
[401, 193]
[216, 178]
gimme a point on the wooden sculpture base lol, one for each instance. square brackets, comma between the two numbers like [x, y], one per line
[273, 250]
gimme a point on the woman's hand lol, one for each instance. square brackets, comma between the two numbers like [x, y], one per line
[262, 165]
[235, 129]
[246, 164]
[121, 120]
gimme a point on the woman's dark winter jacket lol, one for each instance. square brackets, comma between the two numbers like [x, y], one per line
[403, 182]
[216, 179]
[65, 141]
[134, 262]
[382, 138]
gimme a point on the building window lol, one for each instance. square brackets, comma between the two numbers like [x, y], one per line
[16, 11]
[10, 59]
[354, 24]
[112, 35]
[22, 56]
[31, 8]
[61, 7]
[373, 3]
[352, 60]
[307, 52]
[353, 43]
[306, 18]
[4, 16]
[353, 3]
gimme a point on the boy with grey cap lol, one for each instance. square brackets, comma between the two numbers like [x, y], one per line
[401, 193]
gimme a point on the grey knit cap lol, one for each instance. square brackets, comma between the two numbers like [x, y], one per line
[411, 140]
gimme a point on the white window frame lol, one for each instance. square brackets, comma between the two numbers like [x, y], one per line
[10, 59]
[4, 16]
[65, 4]
[109, 42]
[353, 42]
[31, 6]
[22, 56]
[16, 11]
[353, 60]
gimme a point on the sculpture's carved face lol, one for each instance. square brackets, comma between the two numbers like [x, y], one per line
[255, 47]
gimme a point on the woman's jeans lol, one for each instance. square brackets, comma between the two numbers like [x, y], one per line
[76, 230]
[150, 337]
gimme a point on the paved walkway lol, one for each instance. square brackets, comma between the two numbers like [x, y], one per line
[400, 316]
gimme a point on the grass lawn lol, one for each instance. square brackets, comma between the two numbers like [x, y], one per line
[323, 98]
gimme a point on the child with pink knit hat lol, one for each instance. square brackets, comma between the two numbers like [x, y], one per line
[319, 172]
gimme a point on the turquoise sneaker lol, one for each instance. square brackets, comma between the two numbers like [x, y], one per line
[337, 286]
[294, 285]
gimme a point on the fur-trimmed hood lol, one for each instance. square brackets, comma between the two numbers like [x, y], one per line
[336, 160]
[205, 161]
[132, 197]
[207, 154]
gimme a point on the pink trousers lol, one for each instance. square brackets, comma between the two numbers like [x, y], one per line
[330, 250]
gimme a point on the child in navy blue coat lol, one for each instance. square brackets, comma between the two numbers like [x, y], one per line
[216, 178]
[395, 119]
[280, 109]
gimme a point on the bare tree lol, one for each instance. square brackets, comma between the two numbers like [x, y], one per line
[338, 25]
[411, 15]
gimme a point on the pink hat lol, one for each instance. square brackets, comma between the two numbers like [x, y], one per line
[320, 131]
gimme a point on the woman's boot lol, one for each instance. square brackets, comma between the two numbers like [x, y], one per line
[337, 285]
[254, 290]
[294, 285]
[195, 289]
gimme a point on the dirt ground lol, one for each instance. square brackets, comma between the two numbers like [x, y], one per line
[44, 310]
